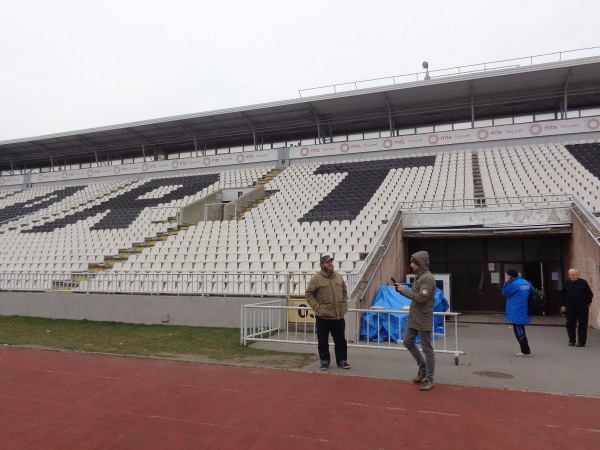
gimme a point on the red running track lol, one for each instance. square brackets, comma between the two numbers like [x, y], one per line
[55, 400]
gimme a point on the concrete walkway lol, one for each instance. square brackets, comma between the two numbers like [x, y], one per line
[489, 361]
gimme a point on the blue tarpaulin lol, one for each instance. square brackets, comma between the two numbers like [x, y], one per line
[383, 327]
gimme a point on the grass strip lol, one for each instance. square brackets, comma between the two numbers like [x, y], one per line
[203, 344]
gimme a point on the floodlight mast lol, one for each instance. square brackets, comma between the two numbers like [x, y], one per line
[425, 66]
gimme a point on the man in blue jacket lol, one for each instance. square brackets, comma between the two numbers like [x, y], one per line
[516, 290]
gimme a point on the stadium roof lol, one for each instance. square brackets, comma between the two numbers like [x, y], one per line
[513, 91]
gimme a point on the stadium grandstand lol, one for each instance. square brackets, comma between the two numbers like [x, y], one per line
[181, 220]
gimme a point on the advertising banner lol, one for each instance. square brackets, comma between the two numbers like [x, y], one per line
[228, 159]
[11, 180]
[490, 134]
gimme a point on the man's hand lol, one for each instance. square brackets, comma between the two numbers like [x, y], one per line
[400, 288]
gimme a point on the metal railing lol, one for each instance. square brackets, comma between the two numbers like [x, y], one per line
[354, 278]
[213, 283]
[425, 76]
[591, 218]
[269, 321]
[487, 202]
[263, 284]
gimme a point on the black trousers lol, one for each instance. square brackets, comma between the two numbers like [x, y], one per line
[522, 338]
[575, 314]
[337, 328]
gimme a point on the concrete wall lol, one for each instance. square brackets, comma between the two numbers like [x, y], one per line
[583, 253]
[240, 204]
[523, 215]
[193, 213]
[147, 309]
[385, 265]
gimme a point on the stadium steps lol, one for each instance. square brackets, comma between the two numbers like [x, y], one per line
[111, 260]
[269, 176]
[478, 191]
[137, 248]
[267, 195]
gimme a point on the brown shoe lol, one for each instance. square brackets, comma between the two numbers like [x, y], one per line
[426, 386]
[419, 378]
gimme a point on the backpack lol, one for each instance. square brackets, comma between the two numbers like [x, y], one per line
[536, 303]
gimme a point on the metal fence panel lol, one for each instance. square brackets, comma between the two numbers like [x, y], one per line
[268, 322]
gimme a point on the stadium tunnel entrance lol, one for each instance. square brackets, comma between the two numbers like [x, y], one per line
[477, 267]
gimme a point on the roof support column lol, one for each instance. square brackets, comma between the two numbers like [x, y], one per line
[472, 106]
[202, 151]
[254, 139]
[319, 131]
[564, 105]
[251, 125]
[389, 108]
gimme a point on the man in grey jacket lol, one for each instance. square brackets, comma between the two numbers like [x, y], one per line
[327, 295]
[420, 318]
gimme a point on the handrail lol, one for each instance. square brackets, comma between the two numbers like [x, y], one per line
[589, 216]
[482, 203]
[439, 73]
[379, 241]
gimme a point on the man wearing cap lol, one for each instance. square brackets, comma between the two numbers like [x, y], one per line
[420, 318]
[327, 295]
[516, 290]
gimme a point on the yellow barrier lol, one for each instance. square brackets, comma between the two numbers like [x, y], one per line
[300, 315]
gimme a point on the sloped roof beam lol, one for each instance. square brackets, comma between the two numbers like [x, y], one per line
[84, 142]
[47, 152]
[141, 138]
[135, 133]
[156, 127]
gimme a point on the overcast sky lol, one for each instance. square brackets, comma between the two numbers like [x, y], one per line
[68, 65]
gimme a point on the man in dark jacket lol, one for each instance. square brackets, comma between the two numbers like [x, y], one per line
[420, 318]
[327, 295]
[576, 300]
[516, 290]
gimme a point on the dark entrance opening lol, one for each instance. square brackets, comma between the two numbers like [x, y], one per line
[477, 267]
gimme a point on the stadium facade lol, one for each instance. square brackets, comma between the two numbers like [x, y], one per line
[488, 170]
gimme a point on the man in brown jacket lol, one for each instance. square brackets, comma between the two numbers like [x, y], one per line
[420, 318]
[327, 295]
